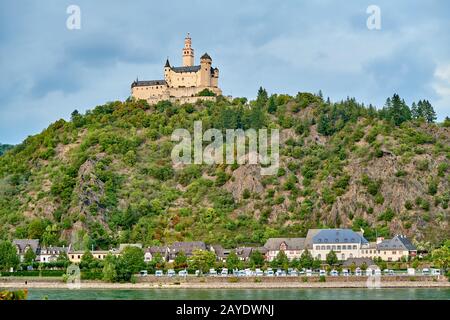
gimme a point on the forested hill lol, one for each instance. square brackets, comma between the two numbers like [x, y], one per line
[107, 177]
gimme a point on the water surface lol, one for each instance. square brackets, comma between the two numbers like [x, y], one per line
[243, 294]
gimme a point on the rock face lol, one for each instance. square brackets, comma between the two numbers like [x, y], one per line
[89, 190]
[246, 177]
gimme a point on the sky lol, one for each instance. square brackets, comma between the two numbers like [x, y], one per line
[48, 70]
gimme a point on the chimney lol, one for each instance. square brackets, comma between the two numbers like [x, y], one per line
[380, 239]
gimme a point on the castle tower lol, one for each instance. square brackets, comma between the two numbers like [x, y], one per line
[167, 68]
[205, 71]
[188, 52]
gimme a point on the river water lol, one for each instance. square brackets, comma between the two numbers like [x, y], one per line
[242, 294]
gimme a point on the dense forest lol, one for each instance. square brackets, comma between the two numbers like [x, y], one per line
[106, 176]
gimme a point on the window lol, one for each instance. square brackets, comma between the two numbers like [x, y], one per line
[354, 247]
[328, 247]
[343, 256]
[339, 247]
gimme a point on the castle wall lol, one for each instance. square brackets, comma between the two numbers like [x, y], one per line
[185, 79]
[146, 92]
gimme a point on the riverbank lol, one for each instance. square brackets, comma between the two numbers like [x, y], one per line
[233, 283]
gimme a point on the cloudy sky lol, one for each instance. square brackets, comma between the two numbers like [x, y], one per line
[48, 70]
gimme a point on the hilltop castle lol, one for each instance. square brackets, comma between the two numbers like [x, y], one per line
[181, 83]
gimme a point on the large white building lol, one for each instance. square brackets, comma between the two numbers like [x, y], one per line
[346, 243]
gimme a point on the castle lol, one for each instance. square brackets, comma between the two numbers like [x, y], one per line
[183, 84]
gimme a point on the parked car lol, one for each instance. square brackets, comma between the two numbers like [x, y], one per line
[158, 273]
[391, 272]
[249, 272]
[171, 273]
[308, 272]
[411, 271]
[293, 273]
[358, 272]
[280, 273]
[377, 272]
[334, 273]
[241, 273]
[212, 272]
[345, 272]
[435, 272]
[183, 273]
[224, 272]
[426, 271]
[259, 273]
[269, 272]
[198, 273]
[143, 273]
[322, 272]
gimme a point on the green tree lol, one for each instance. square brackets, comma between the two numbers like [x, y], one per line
[109, 268]
[306, 259]
[332, 258]
[316, 263]
[8, 256]
[232, 261]
[202, 260]
[281, 260]
[180, 260]
[256, 259]
[424, 110]
[441, 256]
[86, 260]
[271, 105]
[133, 257]
[396, 110]
[262, 97]
[29, 256]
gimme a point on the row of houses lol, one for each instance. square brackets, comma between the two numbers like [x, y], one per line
[346, 243]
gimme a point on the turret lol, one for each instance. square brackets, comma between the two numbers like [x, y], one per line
[205, 71]
[188, 52]
[167, 68]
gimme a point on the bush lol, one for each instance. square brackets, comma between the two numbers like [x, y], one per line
[322, 279]
[14, 295]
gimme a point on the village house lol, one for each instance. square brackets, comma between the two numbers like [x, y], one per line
[187, 247]
[76, 256]
[395, 249]
[345, 243]
[150, 253]
[292, 247]
[51, 254]
[23, 245]
[220, 252]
